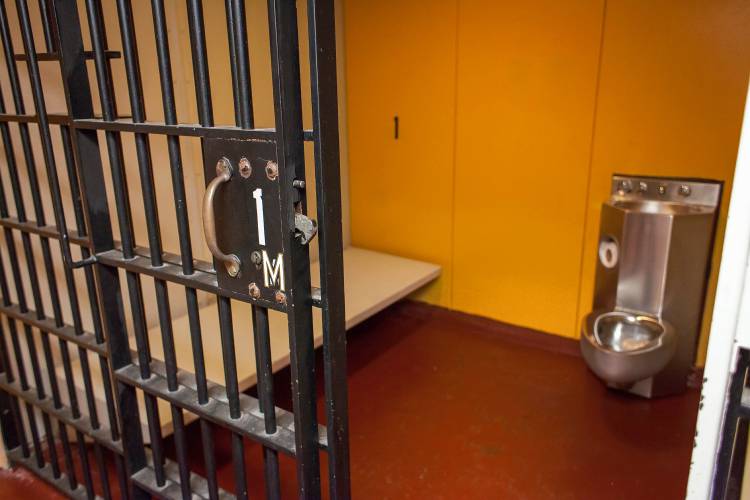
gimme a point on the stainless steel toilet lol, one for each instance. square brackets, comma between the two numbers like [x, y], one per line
[623, 348]
[652, 263]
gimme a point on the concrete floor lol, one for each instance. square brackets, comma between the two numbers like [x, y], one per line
[446, 405]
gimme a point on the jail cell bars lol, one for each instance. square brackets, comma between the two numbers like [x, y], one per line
[67, 195]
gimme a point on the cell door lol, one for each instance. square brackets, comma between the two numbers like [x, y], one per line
[130, 212]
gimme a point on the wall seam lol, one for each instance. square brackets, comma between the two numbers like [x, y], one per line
[451, 282]
[579, 299]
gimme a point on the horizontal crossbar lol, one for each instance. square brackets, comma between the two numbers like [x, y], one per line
[250, 424]
[45, 473]
[146, 479]
[65, 332]
[82, 424]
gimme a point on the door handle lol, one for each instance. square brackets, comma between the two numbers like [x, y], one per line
[223, 174]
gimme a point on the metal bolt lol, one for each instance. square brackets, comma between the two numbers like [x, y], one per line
[272, 170]
[280, 297]
[299, 184]
[662, 189]
[223, 166]
[254, 291]
[233, 268]
[642, 187]
[245, 168]
[624, 187]
[684, 190]
[256, 258]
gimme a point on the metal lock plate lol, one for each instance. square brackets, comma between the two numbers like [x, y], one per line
[247, 218]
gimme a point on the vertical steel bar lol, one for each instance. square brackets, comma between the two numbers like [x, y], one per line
[6, 299]
[290, 155]
[122, 203]
[78, 324]
[186, 253]
[34, 279]
[143, 153]
[85, 469]
[86, 151]
[200, 62]
[10, 422]
[205, 116]
[322, 43]
[231, 40]
[242, 91]
[52, 176]
[48, 25]
[196, 29]
[264, 369]
[226, 330]
[239, 62]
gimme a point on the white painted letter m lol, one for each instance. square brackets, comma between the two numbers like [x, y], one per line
[273, 271]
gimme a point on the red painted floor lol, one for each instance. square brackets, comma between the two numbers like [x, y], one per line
[445, 405]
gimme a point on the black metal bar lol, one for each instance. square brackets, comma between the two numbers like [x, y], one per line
[186, 130]
[143, 153]
[52, 176]
[11, 426]
[141, 473]
[66, 332]
[98, 337]
[54, 56]
[54, 118]
[12, 255]
[322, 38]
[250, 423]
[32, 227]
[88, 481]
[197, 485]
[238, 59]
[200, 62]
[243, 108]
[46, 474]
[86, 150]
[232, 41]
[21, 371]
[727, 452]
[122, 203]
[282, 16]
[47, 150]
[48, 25]
[26, 242]
[186, 258]
[201, 280]
[47, 406]
[226, 330]
[264, 370]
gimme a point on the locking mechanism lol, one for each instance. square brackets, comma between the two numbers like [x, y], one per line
[242, 218]
[305, 228]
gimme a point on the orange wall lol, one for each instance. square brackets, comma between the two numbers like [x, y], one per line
[401, 60]
[513, 116]
[526, 93]
[673, 83]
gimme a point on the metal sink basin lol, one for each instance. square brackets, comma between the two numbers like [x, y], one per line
[623, 348]
[625, 332]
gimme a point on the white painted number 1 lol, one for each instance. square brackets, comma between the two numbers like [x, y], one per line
[258, 195]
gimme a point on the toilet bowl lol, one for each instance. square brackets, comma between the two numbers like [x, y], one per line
[623, 347]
